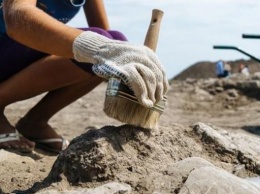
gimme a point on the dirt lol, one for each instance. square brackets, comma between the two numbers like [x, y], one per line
[188, 102]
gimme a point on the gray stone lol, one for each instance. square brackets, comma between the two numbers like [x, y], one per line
[185, 166]
[229, 83]
[219, 89]
[256, 76]
[249, 85]
[109, 188]
[215, 180]
[241, 147]
[232, 93]
[209, 135]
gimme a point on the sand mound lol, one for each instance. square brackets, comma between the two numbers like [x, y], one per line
[152, 163]
[206, 69]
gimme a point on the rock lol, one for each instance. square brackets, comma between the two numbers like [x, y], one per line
[109, 188]
[254, 180]
[181, 170]
[209, 135]
[219, 89]
[232, 93]
[215, 180]
[191, 81]
[185, 166]
[249, 85]
[229, 83]
[98, 154]
[239, 170]
[256, 76]
[237, 147]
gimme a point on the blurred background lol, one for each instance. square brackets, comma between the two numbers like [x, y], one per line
[189, 28]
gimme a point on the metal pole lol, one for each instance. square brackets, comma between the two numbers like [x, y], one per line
[253, 36]
[237, 49]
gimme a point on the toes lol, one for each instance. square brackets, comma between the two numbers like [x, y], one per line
[5, 145]
[17, 145]
[27, 142]
[10, 144]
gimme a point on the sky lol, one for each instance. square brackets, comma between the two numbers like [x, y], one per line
[189, 28]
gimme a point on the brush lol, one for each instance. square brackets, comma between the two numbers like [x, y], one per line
[120, 101]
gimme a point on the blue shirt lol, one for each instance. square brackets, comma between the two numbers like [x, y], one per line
[220, 68]
[62, 10]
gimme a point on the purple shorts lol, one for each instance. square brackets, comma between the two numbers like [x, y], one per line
[14, 56]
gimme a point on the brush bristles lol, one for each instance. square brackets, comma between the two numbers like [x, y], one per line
[130, 112]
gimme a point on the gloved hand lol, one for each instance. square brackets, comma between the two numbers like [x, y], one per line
[137, 66]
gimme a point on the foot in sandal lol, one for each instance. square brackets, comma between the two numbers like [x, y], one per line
[43, 135]
[10, 139]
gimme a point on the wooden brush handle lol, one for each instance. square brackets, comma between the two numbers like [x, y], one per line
[152, 34]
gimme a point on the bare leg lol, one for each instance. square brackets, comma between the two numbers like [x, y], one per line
[66, 82]
[35, 123]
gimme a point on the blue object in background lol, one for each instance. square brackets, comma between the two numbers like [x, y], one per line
[220, 68]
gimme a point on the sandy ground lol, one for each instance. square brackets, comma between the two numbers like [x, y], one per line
[187, 104]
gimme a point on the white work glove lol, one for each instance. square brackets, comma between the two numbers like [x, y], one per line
[137, 66]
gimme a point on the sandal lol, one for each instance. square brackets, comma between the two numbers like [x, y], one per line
[14, 137]
[43, 144]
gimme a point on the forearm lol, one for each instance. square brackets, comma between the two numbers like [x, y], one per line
[96, 14]
[42, 32]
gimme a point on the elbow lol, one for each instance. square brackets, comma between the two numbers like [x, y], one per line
[14, 17]
[10, 23]
[10, 28]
